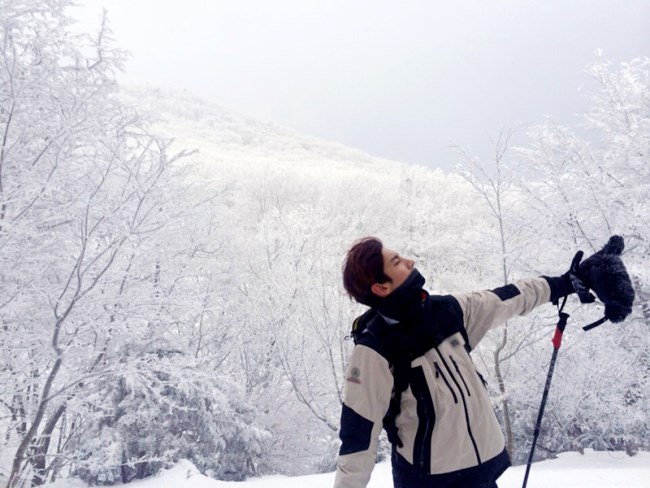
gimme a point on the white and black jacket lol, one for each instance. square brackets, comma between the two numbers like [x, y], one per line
[446, 422]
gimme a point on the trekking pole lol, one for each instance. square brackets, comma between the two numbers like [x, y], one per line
[557, 342]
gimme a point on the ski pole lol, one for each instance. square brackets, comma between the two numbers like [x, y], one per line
[557, 342]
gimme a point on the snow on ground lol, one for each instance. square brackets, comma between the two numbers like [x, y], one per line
[591, 470]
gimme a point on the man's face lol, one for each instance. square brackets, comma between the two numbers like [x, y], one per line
[397, 268]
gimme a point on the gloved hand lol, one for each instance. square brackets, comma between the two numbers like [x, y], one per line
[605, 274]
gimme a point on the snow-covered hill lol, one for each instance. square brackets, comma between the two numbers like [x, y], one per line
[226, 138]
[571, 469]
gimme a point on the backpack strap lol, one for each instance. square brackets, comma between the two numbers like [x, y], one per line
[361, 323]
[399, 351]
[392, 346]
[401, 372]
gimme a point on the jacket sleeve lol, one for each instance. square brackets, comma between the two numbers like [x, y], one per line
[486, 309]
[366, 396]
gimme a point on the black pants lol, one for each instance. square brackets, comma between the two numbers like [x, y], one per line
[406, 475]
[423, 482]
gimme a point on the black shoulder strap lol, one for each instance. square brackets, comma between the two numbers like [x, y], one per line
[395, 348]
[400, 353]
[361, 322]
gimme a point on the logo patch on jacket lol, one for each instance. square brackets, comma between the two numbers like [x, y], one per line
[355, 376]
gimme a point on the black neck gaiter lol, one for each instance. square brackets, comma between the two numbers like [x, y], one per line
[405, 301]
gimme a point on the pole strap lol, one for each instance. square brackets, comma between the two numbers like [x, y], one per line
[595, 324]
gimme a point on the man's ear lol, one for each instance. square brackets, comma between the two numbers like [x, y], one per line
[380, 290]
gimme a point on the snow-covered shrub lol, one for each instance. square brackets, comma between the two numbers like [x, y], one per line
[158, 408]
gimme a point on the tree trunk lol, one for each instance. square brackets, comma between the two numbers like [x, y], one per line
[42, 446]
[19, 457]
[502, 390]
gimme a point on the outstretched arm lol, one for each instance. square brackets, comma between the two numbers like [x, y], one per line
[486, 309]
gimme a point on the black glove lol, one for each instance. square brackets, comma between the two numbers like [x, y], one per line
[605, 274]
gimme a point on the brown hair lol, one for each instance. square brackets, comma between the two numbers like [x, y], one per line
[362, 268]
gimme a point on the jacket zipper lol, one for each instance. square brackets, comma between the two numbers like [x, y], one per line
[462, 396]
[427, 414]
[440, 373]
[461, 375]
[423, 450]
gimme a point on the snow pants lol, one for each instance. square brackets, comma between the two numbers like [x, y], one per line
[406, 475]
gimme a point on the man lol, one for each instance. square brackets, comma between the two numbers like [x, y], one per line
[411, 371]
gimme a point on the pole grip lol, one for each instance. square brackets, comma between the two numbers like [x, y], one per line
[559, 330]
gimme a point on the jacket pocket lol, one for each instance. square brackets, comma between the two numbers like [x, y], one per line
[460, 375]
[483, 380]
[440, 374]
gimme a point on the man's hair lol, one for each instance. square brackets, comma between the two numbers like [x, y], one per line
[362, 268]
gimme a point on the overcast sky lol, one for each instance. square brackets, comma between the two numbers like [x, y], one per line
[397, 79]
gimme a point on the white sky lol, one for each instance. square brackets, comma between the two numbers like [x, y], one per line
[398, 79]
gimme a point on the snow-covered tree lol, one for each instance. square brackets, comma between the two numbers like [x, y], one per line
[581, 191]
[103, 241]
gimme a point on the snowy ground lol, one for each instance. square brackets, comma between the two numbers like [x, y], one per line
[591, 470]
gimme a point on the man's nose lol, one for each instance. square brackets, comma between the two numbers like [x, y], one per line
[411, 263]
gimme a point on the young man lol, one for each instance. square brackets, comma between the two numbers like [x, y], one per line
[411, 371]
